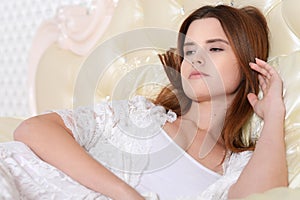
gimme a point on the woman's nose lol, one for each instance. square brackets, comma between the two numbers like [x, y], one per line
[198, 60]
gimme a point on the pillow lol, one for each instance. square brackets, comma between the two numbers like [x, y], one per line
[276, 194]
[7, 127]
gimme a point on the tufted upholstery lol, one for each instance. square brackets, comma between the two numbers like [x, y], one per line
[71, 68]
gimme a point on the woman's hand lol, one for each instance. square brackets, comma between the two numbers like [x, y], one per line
[271, 86]
[267, 167]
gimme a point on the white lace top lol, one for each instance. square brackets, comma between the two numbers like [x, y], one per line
[127, 138]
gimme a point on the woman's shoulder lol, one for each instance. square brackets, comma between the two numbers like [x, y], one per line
[138, 109]
[142, 108]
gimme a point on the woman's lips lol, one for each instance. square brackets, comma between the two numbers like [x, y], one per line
[197, 74]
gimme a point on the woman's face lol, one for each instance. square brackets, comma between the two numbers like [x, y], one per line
[209, 68]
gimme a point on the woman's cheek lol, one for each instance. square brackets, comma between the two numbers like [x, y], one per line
[231, 81]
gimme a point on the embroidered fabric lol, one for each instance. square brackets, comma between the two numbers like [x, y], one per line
[7, 184]
[118, 135]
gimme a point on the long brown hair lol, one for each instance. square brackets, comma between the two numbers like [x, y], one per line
[247, 32]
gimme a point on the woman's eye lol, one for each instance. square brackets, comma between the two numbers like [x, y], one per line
[216, 49]
[188, 53]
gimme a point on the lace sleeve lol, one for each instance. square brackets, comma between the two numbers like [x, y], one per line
[8, 188]
[89, 124]
[232, 170]
[86, 123]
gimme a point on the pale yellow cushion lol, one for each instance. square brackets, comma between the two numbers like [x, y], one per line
[281, 193]
[7, 127]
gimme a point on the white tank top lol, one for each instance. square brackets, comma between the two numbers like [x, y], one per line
[173, 173]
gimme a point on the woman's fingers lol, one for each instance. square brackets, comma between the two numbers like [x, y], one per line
[252, 98]
[263, 68]
[270, 84]
[263, 83]
[270, 71]
[264, 75]
[269, 79]
[259, 69]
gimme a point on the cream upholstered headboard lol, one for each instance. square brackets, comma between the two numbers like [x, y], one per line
[74, 61]
[63, 44]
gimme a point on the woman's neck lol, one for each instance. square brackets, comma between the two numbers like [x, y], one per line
[208, 118]
[206, 115]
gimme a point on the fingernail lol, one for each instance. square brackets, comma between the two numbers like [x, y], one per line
[258, 59]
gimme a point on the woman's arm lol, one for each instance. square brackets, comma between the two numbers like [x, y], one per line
[53, 142]
[268, 167]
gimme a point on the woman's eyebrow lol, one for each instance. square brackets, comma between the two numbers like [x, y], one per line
[217, 40]
[207, 42]
[189, 44]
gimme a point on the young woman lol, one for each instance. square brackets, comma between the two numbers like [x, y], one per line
[186, 143]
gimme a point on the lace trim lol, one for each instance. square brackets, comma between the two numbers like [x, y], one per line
[118, 133]
[143, 111]
[7, 184]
